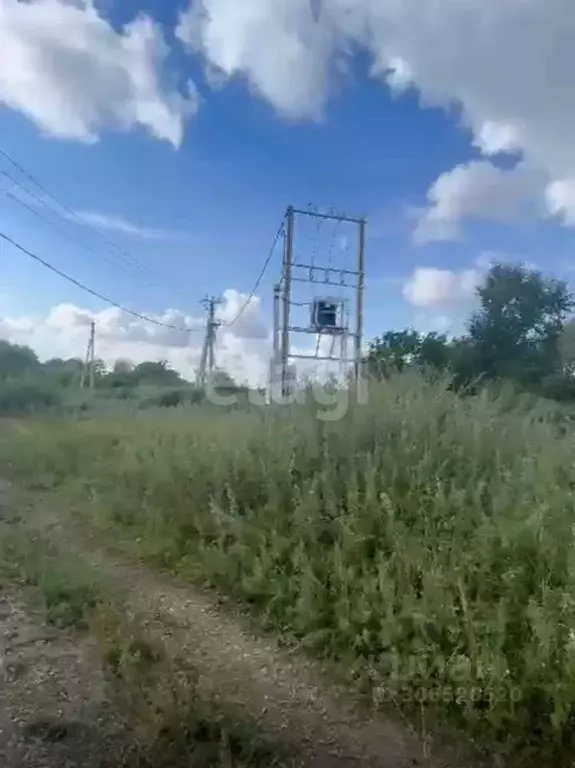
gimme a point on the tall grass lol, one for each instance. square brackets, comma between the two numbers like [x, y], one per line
[423, 540]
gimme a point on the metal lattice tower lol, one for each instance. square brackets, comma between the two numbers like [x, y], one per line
[335, 315]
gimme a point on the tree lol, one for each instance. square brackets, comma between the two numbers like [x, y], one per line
[157, 373]
[435, 352]
[398, 350]
[515, 334]
[122, 367]
[222, 381]
[16, 360]
[392, 352]
[66, 373]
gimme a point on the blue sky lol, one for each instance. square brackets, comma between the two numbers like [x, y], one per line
[219, 195]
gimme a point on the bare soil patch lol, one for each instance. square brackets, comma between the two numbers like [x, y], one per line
[53, 707]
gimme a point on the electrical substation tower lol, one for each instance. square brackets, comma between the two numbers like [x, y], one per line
[320, 294]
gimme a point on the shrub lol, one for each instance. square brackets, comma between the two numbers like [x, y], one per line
[28, 396]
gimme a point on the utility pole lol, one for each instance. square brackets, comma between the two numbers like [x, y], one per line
[207, 361]
[286, 285]
[88, 372]
[359, 300]
[276, 343]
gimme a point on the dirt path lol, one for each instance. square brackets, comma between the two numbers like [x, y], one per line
[53, 709]
[280, 693]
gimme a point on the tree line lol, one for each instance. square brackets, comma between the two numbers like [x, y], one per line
[523, 331]
[18, 361]
[27, 383]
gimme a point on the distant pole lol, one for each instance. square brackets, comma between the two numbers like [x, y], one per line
[89, 361]
[207, 361]
[92, 355]
[287, 280]
[203, 361]
[212, 339]
[276, 340]
[359, 302]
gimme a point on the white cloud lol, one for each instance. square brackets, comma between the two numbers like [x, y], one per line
[67, 69]
[245, 314]
[431, 287]
[118, 224]
[283, 49]
[507, 67]
[68, 317]
[12, 328]
[560, 198]
[476, 190]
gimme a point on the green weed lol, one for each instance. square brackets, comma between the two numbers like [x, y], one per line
[424, 541]
[66, 588]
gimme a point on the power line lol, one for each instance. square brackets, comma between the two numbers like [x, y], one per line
[260, 277]
[46, 220]
[71, 215]
[88, 248]
[92, 292]
[123, 255]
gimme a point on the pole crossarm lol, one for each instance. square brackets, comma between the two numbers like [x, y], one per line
[329, 216]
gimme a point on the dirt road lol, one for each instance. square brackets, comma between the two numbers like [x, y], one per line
[53, 710]
[282, 694]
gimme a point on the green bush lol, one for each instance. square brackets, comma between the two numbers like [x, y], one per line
[29, 396]
[170, 398]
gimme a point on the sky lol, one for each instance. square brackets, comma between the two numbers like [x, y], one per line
[149, 149]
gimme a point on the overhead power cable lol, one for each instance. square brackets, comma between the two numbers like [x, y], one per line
[85, 288]
[125, 257]
[260, 278]
[51, 223]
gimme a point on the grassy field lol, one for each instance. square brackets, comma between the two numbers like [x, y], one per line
[422, 541]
